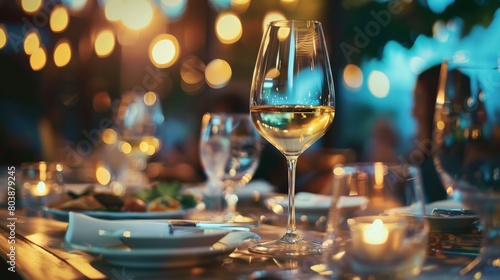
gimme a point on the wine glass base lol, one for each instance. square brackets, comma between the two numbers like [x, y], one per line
[484, 266]
[280, 247]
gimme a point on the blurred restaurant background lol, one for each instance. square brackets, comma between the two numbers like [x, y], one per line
[65, 64]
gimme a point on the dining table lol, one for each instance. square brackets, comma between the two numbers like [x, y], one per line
[34, 247]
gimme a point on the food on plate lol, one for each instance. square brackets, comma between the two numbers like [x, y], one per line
[164, 203]
[162, 196]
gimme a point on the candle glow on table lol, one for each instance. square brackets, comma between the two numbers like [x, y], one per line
[375, 233]
[377, 238]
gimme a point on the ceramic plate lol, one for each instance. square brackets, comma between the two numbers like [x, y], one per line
[165, 258]
[181, 237]
[62, 215]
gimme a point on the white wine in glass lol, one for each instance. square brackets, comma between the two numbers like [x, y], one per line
[292, 105]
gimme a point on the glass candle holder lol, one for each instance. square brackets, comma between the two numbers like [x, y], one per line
[376, 227]
[41, 184]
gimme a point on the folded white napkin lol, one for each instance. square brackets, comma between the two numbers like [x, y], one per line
[92, 232]
[88, 231]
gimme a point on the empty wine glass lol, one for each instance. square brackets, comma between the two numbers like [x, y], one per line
[136, 123]
[467, 149]
[244, 154]
[214, 154]
[292, 105]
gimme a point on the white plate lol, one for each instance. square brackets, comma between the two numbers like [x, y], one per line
[165, 258]
[62, 215]
[181, 237]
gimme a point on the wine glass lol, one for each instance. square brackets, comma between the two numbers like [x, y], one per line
[214, 154]
[136, 123]
[244, 155]
[376, 225]
[467, 149]
[292, 104]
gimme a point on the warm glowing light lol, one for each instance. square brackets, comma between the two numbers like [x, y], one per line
[375, 233]
[104, 43]
[218, 73]
[62, 53]
[273, 73]
[102, 175]
[192, 70]
[240, 6]
[41, 189]
[378, 84]
[3, 36]
[109, 136]
[353, 76]
[338, 171]
[31, 42]
[228, 28]
[164, 50]
[101, 101]
[31, 6]
[113, 10]
[271, 16]
[379, 171]
[125, 147]
[38, 59]
[149, 98]
[59, 18]
[137, 14]
[289, 4]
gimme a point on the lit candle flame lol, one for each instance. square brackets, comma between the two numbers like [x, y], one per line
[375, 233]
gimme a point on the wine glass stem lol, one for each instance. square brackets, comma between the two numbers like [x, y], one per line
[292, 166]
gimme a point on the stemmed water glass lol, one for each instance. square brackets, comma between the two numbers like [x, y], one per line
[292, 104]
[230, 151]
[467, 149]
[244, 155]
[136, 123]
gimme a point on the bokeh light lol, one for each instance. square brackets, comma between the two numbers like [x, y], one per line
[378, 84]
[38, 59]
[101, 101]
[113, 10]
[164, 50]
[271, 16]
[218, 73]
[150, 98]
[228, 28]
[3, 36]
[104, 43]
[289, 4]
[109, 136]
[192, 70]
[62, 53]
[59, 19]
[353, 76]
[102, 175]
[173, 9]
[31, 6]
[31, 42]
[240, 6]
[137, 14]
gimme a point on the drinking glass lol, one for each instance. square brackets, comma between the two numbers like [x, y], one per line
[376, 227]
[292, 104]
[214, 154]
[467, 149]
[136, 123]
[244, 155]
[42, 184]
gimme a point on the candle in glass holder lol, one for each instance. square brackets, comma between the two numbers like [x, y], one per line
[39, 189]
[377, 239]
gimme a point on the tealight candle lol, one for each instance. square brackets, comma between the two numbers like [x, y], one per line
[376, 238]
[40, 189]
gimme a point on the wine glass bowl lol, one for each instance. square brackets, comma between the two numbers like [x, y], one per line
[467, 150]
[230, 151]
[292, 104]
